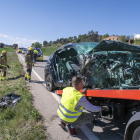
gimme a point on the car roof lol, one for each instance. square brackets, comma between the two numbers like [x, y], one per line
[109, 45]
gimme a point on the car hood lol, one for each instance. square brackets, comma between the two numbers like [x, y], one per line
[107, 45]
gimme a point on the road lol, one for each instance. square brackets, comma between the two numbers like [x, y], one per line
[47, 104]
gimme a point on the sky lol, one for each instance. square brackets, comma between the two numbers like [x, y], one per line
[27, 21]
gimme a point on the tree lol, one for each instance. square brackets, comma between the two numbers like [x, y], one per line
[137, 42]
[37, 45]
[58, 40]
[128, 37]
[122, 38]
[32, 44]
[77, 40]
[1, 45]
[45, 43]
[15, 46]
[105, 36]
[70, 39]
[95, 37]
[54, 42]
[75, 37]
[50, 43]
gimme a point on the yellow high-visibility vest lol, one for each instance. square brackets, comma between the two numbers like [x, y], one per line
[35, 51]
[66, 109]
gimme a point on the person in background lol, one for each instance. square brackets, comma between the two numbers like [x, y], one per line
[29, 63]
[3, 65]
[71, 107]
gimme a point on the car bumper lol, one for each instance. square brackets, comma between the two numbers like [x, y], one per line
[40, 58]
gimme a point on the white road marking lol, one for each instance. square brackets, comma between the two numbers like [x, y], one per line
[89, 134]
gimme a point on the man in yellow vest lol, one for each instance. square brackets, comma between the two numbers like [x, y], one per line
[71, 106]
[29, 63]
[3, 65]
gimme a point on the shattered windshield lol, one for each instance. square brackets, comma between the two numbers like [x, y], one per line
[85, 47]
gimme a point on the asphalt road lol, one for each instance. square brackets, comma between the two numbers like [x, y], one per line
[47, 104]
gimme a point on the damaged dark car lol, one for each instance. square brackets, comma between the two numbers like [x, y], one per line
[105, 65]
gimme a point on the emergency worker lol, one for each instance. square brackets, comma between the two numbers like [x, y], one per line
[71, 107]
[35, 54]
[29, 63]
[3, 65]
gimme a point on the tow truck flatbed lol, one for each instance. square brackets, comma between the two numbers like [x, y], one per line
[116, 94]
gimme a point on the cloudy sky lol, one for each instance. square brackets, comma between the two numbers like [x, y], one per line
[27, 21]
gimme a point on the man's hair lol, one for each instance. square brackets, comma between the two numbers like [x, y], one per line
[76, 80]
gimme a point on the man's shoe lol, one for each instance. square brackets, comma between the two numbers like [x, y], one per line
[62, 124]
[71, 130]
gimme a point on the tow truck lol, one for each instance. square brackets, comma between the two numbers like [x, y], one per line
[117, 100]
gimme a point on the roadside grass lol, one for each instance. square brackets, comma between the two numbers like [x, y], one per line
[23, 122]
[49, 50]
[7, 49]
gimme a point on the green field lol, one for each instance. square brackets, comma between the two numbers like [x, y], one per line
[7, 49]
[22, 122]
[49, 50]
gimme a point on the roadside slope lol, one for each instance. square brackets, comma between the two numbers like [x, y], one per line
[23, 121]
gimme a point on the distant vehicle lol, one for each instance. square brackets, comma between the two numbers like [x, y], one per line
[24, 50]
[20, 50]
[39, 55]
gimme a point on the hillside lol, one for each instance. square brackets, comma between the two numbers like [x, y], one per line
[49, 50]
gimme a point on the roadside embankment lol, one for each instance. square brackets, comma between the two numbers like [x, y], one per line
[7, 49]
[50, 49]
[22, 121]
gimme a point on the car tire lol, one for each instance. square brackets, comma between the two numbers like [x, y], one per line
[49, 83]
[136, 134]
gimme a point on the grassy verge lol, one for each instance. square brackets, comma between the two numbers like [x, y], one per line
[49, 50]
[23, 122]
[7, 49]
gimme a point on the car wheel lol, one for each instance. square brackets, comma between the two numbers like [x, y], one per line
[49, 83]
[136, 134]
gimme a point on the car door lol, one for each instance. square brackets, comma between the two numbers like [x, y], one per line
[50, 68]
